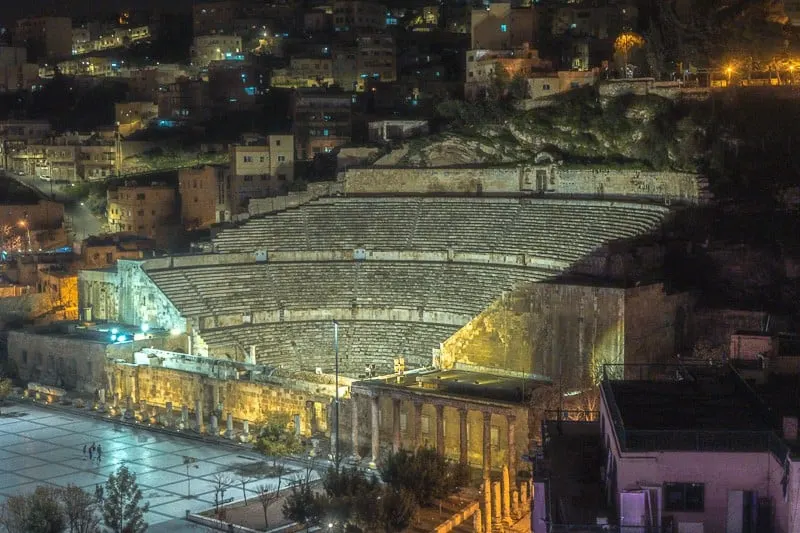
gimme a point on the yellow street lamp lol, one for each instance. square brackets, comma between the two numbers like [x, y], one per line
[729, 72]
[24, 224]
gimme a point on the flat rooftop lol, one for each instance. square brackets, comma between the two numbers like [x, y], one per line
[704, 404]
[697, 409]
[463, 384]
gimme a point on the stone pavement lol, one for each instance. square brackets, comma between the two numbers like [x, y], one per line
[41, 445]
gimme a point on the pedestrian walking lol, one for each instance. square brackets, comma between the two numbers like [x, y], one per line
[84, 452]
[99, 453]
[91, 451]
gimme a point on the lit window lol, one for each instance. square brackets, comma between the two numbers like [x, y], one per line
[504, 28]
[325, 132]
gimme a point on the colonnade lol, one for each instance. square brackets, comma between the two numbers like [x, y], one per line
[414, 430]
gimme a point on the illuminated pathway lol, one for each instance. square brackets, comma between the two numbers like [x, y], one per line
[45, 446]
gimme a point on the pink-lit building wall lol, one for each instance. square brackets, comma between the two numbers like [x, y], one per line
[749, 346]
[720, 472]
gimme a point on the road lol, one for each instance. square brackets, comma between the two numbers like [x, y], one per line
[78, 217]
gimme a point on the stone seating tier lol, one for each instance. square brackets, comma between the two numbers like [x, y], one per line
[309, 345]
[565, 230]
[461, 288]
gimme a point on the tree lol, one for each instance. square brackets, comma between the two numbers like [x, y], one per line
[122, 511]
[276, 440]
[426, 474]
[5, 389]
[396, 509]
[79, 510]
[267, 496]
[623, 44]
[222, 482]
[38, 512]
[303, 506]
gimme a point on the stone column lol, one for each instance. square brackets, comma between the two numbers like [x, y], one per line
[497, 514]
[523, 494]
[198, 413]
[354, 429]
[376, 430]
[512, 444]
[506, 495]
[440, 429]
[229, 426]
[515, 504]
[487, 505]
[128, 407]
[396, 440]
[116, 400]
[477, 521]
[417, 422]
[168, 420]
[215, 392]
[246, 428]
[464, 452]
[214, 426]
[184, 416]
[101, 396]
[297, 428]
[487, 443]
[311, 413]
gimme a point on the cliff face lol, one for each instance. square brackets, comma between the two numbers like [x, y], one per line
[647, 131]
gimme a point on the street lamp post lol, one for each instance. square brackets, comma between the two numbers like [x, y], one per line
[336, 395]
[24, 224]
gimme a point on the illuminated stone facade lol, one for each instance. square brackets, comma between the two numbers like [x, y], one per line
[545, 178]
[570, 330]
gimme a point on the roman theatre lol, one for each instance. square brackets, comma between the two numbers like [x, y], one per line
[450, 296]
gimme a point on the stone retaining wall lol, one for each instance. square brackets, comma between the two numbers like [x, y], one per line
[548, 178]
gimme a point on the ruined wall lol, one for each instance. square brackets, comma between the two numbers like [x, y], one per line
[245, 400]
[546, 329]
[546, 178]
[70, 361]
[432, 180]
[63, 362]
[140, 301]
[19, 309]
[675, 186]
[98, 295]
[656, 324]
[553, 329]
[261, 206]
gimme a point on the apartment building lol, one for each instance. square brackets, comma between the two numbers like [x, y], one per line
[323, 120]
[358, 16]
[235, 85]
[210, 18]
[690, 447]
[185, 99]
[500, 26]
[304, 72]
[208, 48]
[145, 210]
[259, 167]
[15, 71]
[45, 38]
[205, 193]
[482, 65]
[370, 58]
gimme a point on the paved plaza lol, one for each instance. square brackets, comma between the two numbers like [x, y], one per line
[40, 446]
